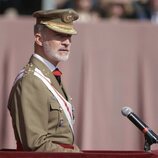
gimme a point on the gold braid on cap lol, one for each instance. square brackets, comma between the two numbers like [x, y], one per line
[59, 27]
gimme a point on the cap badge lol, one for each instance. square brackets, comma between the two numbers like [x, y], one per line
[67, 18]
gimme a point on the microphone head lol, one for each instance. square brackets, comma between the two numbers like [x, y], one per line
[126, 111]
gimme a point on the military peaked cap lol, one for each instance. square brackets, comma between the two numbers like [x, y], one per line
[59, 20]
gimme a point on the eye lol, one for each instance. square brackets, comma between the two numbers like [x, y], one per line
[63, 35]
[59, 35]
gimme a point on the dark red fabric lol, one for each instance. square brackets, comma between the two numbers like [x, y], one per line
[90, 154]
[68, 146]
[57, 72]
[19, 146]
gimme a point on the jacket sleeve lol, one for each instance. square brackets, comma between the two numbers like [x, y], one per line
[30, 113]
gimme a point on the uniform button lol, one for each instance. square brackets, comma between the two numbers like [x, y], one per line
[61, 122]
[60, 109]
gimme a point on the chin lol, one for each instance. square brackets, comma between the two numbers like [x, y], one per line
[62, 58]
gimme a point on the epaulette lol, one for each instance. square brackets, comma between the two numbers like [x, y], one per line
[29, 69]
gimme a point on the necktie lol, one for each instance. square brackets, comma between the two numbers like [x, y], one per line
[57, 73]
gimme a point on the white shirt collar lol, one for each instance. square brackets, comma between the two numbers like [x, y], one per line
[46, 62]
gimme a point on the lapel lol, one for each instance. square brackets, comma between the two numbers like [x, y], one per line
[46, 71]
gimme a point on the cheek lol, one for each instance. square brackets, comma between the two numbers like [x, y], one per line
[55, 45]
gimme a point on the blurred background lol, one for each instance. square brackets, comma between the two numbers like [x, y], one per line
[88, 9]
[113, 64]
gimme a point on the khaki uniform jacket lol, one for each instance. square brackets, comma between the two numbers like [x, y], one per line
[38, 120]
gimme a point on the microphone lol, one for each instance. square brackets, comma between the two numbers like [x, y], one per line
[150, 136]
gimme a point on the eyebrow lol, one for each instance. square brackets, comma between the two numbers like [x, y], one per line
[62, 34]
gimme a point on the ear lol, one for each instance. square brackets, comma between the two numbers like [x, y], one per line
[38, 39]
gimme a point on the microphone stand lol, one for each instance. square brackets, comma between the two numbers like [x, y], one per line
[149, 140]
[147, 145]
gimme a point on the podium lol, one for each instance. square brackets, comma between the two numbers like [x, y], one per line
[85, 154]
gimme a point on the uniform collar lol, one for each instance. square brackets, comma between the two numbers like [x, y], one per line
[46, 62]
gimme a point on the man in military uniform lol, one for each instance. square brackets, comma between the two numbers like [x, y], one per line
[40, 108]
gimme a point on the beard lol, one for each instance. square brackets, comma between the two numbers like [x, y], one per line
[54, 55]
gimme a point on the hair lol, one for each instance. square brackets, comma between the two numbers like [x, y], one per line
[38, 28]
